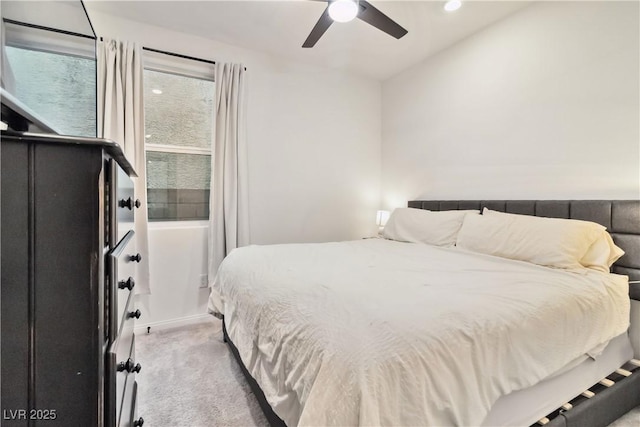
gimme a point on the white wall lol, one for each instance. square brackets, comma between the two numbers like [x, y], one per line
[543, 104]
[177, 259]
[313, 154]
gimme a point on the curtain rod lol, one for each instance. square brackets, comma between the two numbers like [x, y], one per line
[40, 27]
[182, 56]
[177, 55]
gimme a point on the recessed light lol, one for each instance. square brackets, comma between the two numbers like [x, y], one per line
[156, 91]
[452, 5]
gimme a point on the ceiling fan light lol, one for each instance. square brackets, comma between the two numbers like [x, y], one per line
[343, 10]
[452, 5]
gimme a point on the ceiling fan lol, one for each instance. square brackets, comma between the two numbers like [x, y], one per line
[345, 11]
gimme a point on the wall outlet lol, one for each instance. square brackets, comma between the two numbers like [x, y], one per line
[204, 281]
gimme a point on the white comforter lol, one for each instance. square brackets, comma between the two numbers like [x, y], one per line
[377, 332]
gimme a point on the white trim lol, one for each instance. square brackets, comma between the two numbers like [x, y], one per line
[42, 40]
[172, 323]
[159, 62]
[178, 149]
[178, 225]
[176, 72]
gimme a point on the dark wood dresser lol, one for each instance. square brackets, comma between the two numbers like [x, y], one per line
[68, 266]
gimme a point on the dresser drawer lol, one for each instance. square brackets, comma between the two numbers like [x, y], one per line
[122, 263]
[135, 420]
[120, 367]
[127, 411]
[125, 333]
[124, 203]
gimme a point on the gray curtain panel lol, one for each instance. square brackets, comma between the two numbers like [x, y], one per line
[229, 207]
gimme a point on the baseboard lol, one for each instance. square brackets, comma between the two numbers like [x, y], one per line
[172, 323]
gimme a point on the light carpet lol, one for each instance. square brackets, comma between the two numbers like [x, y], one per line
[190, 378]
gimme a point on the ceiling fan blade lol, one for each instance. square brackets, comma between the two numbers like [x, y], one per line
[373, 16]
[321, 26]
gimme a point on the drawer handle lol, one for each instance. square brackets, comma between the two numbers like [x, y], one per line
[127, 284]
[136, 257]
[128, 203]
[129, 366]
[125, 366]
[135, 314]
[139, 422]
[137, 203]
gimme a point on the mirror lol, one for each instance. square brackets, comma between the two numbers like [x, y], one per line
[48, 67]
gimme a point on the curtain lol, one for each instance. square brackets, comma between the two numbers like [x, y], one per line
[121, 118]
[228, 204]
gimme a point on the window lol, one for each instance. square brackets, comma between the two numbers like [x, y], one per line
[178, 133]
[64, 96]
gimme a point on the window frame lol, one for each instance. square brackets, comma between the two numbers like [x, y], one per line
[49, 40]
[162, 63]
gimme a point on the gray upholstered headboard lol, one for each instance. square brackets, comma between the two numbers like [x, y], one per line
[621, 217]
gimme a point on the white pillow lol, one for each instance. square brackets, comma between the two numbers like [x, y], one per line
[423, 226]
[552, 242]
[602, 254]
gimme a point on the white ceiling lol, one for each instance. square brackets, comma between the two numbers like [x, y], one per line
[280, 27]
[67, 15]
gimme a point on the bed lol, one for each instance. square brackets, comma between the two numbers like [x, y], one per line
[380, 332]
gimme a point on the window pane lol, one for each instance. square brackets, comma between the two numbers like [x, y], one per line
[178, 110]
[64, 96]
[178, 186]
